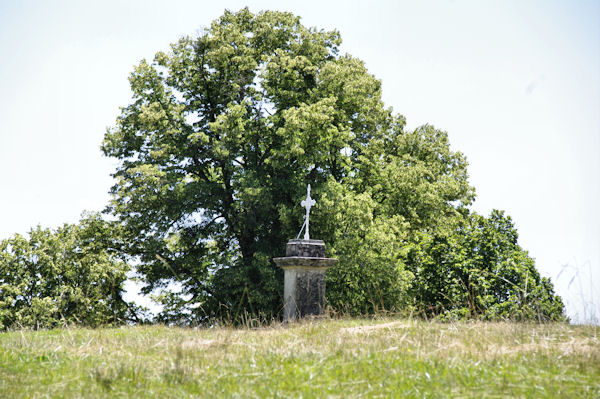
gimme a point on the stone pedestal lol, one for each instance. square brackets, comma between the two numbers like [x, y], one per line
[304, 268]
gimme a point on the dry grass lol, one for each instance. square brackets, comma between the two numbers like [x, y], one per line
[333, 358]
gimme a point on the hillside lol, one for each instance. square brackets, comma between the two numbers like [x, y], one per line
[328, 358]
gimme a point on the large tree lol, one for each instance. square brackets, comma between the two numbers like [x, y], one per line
[224, 132]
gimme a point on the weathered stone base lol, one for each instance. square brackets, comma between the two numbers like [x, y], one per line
[304, 293]
[304, 278]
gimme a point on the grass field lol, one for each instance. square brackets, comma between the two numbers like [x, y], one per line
[326, 358]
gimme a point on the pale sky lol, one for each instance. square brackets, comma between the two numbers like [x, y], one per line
[516, 84]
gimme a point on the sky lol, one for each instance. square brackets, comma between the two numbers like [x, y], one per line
[516, 84]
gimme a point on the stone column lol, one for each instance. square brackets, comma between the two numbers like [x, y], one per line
[304, 268]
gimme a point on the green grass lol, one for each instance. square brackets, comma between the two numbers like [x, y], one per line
[326, 358]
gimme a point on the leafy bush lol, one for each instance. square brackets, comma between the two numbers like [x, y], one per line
[70, 275]
[480, 271]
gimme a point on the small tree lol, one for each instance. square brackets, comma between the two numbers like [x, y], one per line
[70, 275]
[480, 271]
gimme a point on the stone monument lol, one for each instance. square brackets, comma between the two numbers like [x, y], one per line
[304, 268]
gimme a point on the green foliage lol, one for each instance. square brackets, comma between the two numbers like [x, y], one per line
[415, 175]
[370, 276]
[67, 276]
[480, 271]
[223, 135]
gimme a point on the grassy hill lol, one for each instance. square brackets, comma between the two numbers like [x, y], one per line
[326, 358]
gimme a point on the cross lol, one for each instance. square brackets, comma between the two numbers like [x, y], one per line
[307, 203]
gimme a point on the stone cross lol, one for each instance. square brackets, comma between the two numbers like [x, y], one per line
[307, 203]
[304, 267]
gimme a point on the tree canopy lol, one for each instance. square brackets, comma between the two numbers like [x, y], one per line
[223, 134]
